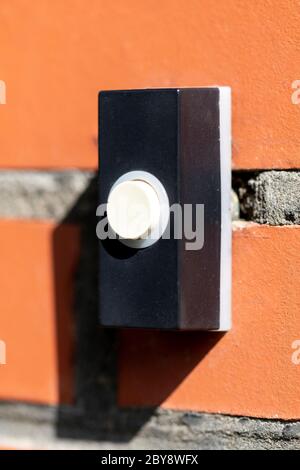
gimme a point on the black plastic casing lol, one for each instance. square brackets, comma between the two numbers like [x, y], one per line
[177, 135]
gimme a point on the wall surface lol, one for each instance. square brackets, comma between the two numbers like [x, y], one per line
[66, 381]
[56, 55]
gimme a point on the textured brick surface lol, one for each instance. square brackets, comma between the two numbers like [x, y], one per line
[247, 371]
[55, 57]
[37, 270]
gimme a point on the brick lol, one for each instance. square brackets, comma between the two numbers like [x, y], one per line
[38, 261]
[72, 51]
[247, 371]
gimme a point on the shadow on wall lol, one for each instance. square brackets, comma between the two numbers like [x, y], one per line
[95, 414]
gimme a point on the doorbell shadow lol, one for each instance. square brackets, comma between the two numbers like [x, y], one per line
[117, 249]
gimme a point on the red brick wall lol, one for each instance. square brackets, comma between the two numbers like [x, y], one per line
[54, 58]
[56, 55]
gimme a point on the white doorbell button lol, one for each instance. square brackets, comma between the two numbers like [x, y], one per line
[133, 209]
[138, 209]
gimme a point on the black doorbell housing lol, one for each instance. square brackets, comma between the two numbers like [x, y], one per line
[179, 139]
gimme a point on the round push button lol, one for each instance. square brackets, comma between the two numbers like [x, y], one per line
[133, 209]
